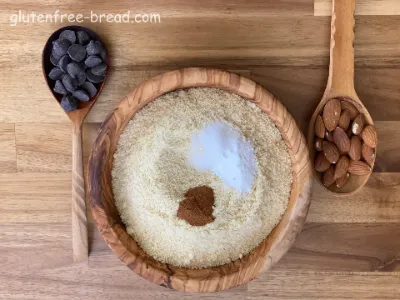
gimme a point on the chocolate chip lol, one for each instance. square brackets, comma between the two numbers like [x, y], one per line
[63, 63]
[69, 103]
[81, 95]
[83, 38]
[55, 55]
[70, 83]
[99, 70]
[82, 65]
[103, 55]
[68, 35]
[56, 73]
[93, 78]
[92, 61]
[77, 52]
[59, 88]
[60, 47]
[74, 69]
[90, 88]
[81, 77]
[54, 61]
[94, 48]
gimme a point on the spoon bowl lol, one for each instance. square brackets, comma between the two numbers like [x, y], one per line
[79, 220]
[356, 182]
[83, 107]
[341, 84]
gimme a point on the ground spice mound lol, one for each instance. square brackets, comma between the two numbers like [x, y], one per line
[152, 172]
[197, 207]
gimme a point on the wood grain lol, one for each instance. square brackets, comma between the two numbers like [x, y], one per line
[329, 247]
[298, 88]
[324, 246]
[305, 47]
[364, 7]
[335, 249]
[286, 50]
[388, 155]
[8, 159]
[186, 9]
[34, 198]
[377, 202]
[79, 220]
[116, 282]
[209, 279]
[323, 285]
[39, 151]
[275, 285]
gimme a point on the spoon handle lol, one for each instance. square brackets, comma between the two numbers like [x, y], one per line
[79, 220]
[341, 69]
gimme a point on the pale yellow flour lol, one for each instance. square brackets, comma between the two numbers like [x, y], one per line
[151, 174]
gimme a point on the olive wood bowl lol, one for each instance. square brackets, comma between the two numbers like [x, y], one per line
[214, 279]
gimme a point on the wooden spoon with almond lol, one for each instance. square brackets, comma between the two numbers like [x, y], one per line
[342, 112]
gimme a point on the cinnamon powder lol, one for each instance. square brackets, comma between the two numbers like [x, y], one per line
[197, 207]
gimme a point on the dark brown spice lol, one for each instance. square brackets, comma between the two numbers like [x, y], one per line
[197, 207]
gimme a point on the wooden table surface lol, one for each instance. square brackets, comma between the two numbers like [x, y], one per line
[350, 246]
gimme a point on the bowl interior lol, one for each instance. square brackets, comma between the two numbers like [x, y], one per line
[209, 279]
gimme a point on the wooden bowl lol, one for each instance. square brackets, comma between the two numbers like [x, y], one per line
[222, 277]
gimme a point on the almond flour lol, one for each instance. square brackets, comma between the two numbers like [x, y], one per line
[152, 173]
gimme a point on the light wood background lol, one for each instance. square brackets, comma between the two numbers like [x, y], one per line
[350, 246]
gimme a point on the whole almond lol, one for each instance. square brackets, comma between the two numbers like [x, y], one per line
[341, 182]
[358, 124]
[369, 136]
[331, 114]
[327, 177]
[368, 154]
[341, 167]
[346, 105]
[318, 144]
[321, 164]
[341, 140]
[344, 119]
[355, 148]
[331, 152]
[358, 168]
[319, 127]
[329, 136]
